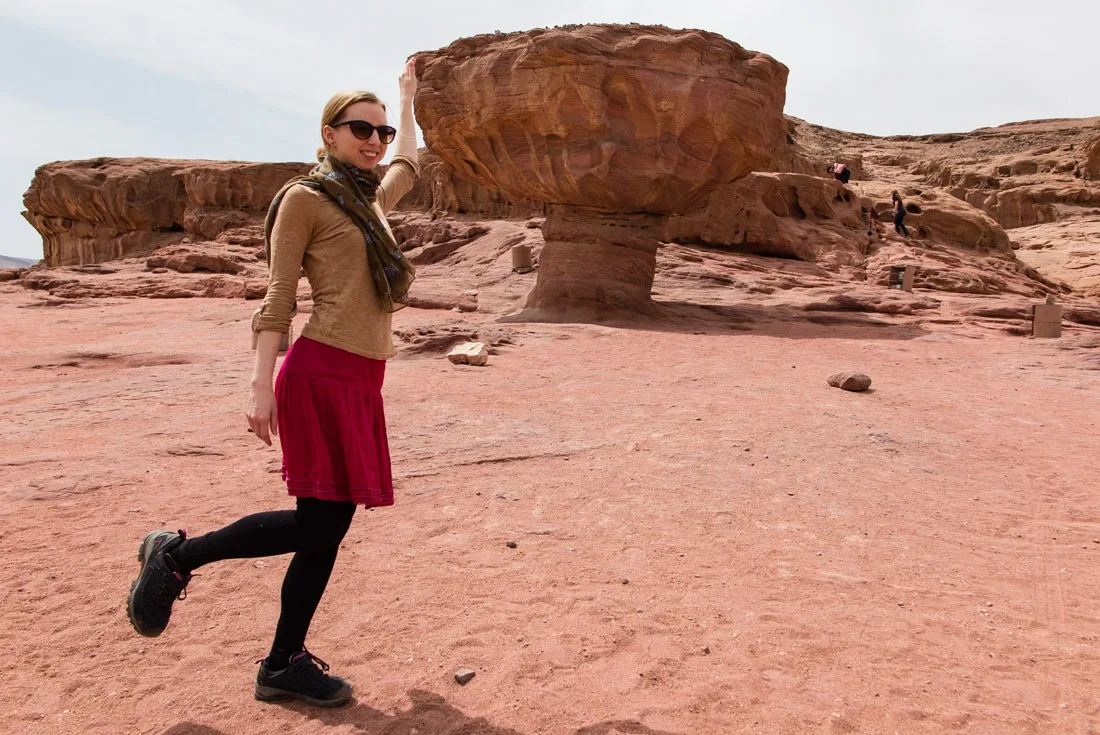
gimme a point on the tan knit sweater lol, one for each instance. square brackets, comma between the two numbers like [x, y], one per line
[312, 232]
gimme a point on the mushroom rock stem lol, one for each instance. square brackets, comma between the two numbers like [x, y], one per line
[595, 264]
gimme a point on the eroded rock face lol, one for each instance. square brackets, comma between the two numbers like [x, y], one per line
[1027, 205]
[939, 217]
[595, 121]
[781, 214]
[110, 208]
[1067, 250]
[188, 259]
[440, 189]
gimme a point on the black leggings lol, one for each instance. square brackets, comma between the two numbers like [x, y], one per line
[313, 533]
[899, 222]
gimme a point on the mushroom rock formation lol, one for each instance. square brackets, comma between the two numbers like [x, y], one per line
[614, 127]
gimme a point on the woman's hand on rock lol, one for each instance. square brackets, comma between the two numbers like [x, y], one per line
[407, 80]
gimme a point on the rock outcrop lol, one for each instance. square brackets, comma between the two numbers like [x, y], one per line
[1067, 250]
[782, 215]
[109, 208]
[1037, 179]
[615, 127]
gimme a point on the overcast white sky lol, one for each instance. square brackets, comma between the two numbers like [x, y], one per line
[246, 80]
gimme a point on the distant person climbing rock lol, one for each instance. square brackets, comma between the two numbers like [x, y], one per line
[872, 224]
[899, 214]
[840, 172]
[325, 407]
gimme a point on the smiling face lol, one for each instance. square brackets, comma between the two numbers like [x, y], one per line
[342, 143]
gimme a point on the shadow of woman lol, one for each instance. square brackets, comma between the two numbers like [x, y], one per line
[429, 713]
[190, 728]
[620, 727]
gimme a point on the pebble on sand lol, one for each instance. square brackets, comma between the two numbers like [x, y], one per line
[464, 675]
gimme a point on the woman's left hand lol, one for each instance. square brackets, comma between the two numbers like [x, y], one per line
[408, 80]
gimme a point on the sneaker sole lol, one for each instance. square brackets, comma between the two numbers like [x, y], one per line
[271, 694]
[143, 551]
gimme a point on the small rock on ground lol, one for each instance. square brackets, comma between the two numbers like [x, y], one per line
[850, 381]
[469, 353]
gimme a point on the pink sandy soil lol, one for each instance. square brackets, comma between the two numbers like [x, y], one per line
[710, 538]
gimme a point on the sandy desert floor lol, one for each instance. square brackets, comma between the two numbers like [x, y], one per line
[710, 539]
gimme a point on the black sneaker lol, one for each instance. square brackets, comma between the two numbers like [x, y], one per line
[158, 585]
[304, 679]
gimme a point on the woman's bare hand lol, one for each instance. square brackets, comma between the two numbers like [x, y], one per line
[262, 414]
[408, 80]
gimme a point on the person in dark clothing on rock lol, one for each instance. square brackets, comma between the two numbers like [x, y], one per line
[840, 172]
[899, 214]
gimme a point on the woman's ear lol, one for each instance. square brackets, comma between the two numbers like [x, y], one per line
[328, 134]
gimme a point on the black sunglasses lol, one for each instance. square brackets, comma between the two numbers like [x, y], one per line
[363, 130]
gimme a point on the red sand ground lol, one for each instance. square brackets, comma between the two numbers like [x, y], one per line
[922, 558]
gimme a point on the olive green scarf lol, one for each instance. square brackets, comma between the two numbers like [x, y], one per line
[355, 191]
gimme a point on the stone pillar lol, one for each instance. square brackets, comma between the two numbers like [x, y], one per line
[595, 264]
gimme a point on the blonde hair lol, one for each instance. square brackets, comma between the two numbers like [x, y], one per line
[336, 107]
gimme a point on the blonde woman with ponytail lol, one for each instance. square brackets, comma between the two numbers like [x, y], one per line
[326, 405]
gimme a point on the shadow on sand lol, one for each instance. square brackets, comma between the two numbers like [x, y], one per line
[430, 714]
[787, 322]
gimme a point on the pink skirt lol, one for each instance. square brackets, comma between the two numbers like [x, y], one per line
[332, 426]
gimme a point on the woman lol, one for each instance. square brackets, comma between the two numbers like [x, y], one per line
[326, 406]
[840, 172]
[899, 214]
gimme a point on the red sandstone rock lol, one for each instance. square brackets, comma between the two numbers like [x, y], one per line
[850, 381]
[785, 215]
[1068, 250]
[614, 127]
[187, 259]
[1024, 206]
[440, 189]
[109, 208]
[625, 118]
